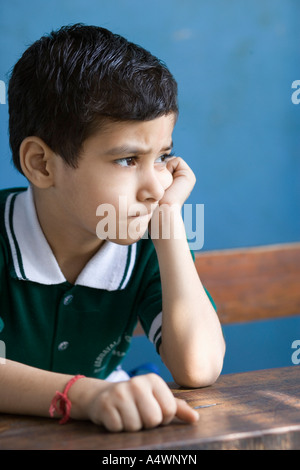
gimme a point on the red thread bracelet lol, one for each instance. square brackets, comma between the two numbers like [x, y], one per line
[64, 403]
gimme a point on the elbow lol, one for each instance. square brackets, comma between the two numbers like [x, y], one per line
[197, 379]
[199, 375]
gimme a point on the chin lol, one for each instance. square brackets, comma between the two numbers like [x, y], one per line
[129, 241]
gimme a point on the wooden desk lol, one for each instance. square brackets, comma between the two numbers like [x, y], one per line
[253, 410]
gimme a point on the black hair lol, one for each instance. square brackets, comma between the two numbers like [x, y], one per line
[70, 81]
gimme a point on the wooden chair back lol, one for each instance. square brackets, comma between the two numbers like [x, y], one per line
[249, 284]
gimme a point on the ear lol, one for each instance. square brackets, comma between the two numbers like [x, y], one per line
[37, 162]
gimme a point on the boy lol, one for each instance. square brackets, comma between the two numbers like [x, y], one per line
[91, 121]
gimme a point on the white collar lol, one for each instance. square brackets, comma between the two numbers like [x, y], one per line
[110, 268]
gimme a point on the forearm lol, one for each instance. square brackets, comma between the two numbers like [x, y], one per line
[142, 402]
[192, 341]
[28, 390]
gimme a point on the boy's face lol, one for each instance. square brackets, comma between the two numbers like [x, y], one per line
[121, 177]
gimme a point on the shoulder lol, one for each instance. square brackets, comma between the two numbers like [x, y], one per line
[6, 195]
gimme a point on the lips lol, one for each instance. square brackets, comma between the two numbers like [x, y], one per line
[141, 216]
[139, 213]
[143, 212]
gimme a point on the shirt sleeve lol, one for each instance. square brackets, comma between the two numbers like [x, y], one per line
[2, 266]
[2, 289]
[150, 308]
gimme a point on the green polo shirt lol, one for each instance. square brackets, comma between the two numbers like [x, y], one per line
[82, 328]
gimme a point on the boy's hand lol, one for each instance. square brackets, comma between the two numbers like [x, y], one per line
[142, 402]
[166, 221]
[182, 184]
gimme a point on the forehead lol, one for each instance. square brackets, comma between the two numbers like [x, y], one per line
[124, 137]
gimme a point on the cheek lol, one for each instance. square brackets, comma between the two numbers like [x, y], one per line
[114, 199]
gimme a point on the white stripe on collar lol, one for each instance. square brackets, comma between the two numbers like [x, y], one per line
[110, 268]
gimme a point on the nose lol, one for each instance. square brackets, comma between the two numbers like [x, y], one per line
[151, 186]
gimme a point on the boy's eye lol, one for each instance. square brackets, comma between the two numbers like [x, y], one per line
[129, 161]
[164, 158]
[132, 161]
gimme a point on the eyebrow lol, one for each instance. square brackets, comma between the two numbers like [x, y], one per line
[128, 150]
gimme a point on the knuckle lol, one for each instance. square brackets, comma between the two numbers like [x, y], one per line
[136, 385]
[169, 412]
[112, 425]
[153, 420]
[104, 408]
[171, 407]
[120, 392]
[105, 416]
[133, 427]
[154, 378]
[104, 404]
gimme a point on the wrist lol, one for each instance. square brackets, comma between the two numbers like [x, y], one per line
[82, 394]
[61, 404]
[167, 223]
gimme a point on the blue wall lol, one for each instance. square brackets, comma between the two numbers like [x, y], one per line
[239, 130]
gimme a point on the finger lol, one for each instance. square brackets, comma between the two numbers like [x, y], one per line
[110, 418]
[185, 412]
[156, 403]
[130, 416]
[166, 401]
[150, 411]
[147, 405]
[178, 167]
[172, 164]
[176, 162]
[117, 409]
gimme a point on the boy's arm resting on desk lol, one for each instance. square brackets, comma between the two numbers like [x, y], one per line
[192, 344]
[142, 402]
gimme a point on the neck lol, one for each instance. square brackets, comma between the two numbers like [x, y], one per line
[72, 248]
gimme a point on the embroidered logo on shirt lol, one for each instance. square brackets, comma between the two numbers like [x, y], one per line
[110, 349]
